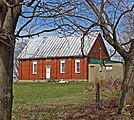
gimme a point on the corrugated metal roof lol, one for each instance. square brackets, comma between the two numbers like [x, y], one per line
[54, 46]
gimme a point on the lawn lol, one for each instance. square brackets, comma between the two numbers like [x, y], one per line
[50, 92]
[48, 97]
[45, 101]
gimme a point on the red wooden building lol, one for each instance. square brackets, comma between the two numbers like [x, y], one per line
[60, 57]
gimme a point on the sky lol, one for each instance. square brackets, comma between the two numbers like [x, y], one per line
[48, 23]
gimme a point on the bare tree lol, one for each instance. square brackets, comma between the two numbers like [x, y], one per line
[109, 29]
[114, 19]
[20, 19]
[8, 20]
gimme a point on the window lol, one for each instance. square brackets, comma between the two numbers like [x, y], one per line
[62, 66]
[34, 67]
[109, 67]
[77, 66]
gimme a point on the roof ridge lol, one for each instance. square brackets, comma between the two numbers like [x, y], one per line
[55, 46]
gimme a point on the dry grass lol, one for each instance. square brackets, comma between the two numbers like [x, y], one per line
[76, 101]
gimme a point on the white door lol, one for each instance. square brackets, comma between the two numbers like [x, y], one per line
[48, 72]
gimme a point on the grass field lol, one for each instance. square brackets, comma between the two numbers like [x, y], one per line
[49, 100]
[50, 92]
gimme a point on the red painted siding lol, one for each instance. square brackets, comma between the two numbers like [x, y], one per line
[95, 51]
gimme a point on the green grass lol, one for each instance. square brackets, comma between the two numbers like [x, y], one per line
[51, 99]
[49, 92]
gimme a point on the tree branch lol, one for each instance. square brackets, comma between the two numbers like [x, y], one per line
[34, 34]
[118, 20]
[19, 4]
[29, 19]
[106, 34]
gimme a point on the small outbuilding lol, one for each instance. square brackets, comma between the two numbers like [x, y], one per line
[101, 69]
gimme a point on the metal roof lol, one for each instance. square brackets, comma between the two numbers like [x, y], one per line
[98, 61]
[54, 46]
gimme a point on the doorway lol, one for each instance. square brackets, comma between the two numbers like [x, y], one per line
[48, 72]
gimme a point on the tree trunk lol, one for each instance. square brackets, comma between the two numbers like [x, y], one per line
[127, 93]
[6, 77]
[8, 20]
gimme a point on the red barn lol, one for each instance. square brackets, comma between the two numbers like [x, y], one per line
[60, 57]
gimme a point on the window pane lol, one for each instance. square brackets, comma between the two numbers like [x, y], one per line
[62, 66]
[34, 67]
[77, 66]
[78, 69]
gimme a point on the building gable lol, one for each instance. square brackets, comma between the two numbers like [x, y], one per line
[98, 49]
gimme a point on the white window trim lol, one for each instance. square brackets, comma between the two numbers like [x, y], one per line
[109, 67]
[61, 62]
[77, 61]
[34, 63]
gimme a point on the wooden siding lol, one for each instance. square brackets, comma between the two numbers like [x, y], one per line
[95, 50]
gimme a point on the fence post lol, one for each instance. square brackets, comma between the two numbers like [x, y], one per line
[97, 96]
